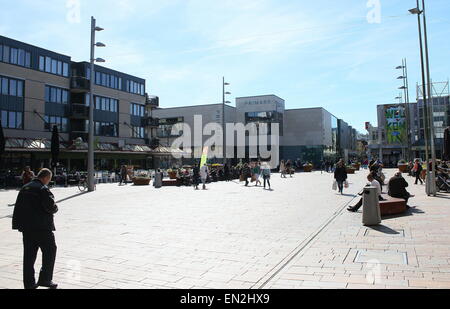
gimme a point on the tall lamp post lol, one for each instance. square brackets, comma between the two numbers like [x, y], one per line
[224, 102]
[405, 88]
[91, 171]
[427, 96]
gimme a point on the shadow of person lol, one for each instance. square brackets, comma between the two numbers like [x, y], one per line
[384, 229]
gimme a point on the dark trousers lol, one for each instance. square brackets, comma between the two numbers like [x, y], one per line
[418, 178]
[266, 180]
[123, 178]
[32, 242]
[340, 186]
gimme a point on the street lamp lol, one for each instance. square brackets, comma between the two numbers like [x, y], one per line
[427, 95]
[224, 93]
[91, 171]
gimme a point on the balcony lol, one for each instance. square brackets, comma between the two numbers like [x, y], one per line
[79, 84]
[79, 111]
[150, 122]
[151, 101]
[76, 134]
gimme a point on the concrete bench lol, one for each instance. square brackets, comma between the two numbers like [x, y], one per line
[392, 205]
[170, 183]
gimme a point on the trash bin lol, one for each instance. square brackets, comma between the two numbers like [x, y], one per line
[371, 210]
[158, 180]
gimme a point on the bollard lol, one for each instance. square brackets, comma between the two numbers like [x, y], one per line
[371, 210]
[158, 180]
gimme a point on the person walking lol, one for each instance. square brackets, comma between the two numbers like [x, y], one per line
[340, 174]
[123, 175]
[257, 173]
[289, 168]
[417, 170]
[246, 173]
[265, 171]
[226, 172]
[283, 169]
[33, 217]
[27, 175]
[204, 172]
[196, 176]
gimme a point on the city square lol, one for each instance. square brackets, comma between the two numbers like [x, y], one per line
[234, 237]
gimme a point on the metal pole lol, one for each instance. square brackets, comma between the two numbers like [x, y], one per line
[223, 122]
[430, 96]
[424, 95]
[91, 171]
[408, 114]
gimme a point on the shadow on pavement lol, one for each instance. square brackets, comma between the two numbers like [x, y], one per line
[444, 196]
[384, 229]
[71, 197]
[410, 212]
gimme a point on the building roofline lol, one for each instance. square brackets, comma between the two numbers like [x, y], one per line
[259, 96]
[199, 106]
[34, 46]
[109, 69]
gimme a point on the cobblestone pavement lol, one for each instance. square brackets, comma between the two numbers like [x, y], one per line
[409, 251]
[229, 236]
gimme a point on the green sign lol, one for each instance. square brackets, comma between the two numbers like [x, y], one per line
[396, 132]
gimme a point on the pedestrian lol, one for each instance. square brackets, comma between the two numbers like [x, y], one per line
[257, 173]
[27, 175]
[322, 166]
[246, 173]
[123, 175]
[373, 183]
[340, 174]
[397, 188]
[196, 176]
[282, 169]
[417, 170]
[33, 217]
[226, 170]
[204, 172]
[289, 168]
[265, 171]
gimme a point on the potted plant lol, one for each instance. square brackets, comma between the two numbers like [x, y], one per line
[141, 178]
[403, 166]
[308, 167]
[172, 173]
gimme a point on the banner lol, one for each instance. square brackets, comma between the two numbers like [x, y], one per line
[396, 132]
[204, 159]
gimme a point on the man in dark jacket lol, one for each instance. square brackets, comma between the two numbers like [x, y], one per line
[397, 187]
[33, 216]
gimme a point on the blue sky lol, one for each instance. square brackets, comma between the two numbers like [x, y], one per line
[311, 53]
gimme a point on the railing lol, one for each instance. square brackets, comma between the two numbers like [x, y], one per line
[150, 122]
[79, 83]
[151, 101]
[79, 111]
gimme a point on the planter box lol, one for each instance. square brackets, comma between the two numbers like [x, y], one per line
[351, 170]
[173, 175]
[357, 166]
[141, 181]
[403, 168]
[307, 169]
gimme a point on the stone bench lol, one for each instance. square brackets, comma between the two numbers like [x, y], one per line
[170, 183]
[392, 205]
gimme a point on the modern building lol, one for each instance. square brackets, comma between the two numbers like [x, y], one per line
[308, 134]
[399, 137]
[40, 89]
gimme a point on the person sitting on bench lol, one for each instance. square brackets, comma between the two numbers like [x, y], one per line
[374, 183]
[397, 188]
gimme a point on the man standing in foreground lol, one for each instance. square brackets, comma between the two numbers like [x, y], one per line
[33, 216]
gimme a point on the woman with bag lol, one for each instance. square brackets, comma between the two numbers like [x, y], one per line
[265, 170]
[340, 174]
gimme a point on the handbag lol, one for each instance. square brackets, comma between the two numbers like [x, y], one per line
[334, 185]
[346, 185]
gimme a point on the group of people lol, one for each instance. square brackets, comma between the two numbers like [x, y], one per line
[286, 168]
[254, 171]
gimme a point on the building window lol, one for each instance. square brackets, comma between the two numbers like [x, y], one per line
[136, 88]
[137, 110]
[60, 122]
[12, 119]
[57, 67]
[106, 104]
[12, 87]
[106, 129]
[56, 95]
[138, 132]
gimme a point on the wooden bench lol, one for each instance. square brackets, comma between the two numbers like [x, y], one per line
[392, 205]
